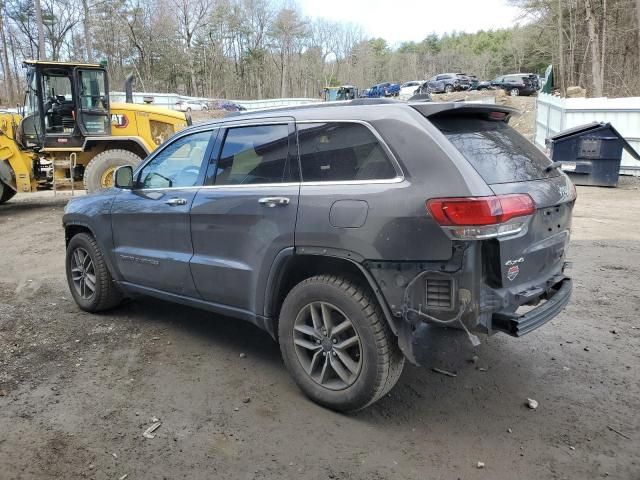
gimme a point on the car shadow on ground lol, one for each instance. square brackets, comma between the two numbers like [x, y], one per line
[223, 332]
[420, 391]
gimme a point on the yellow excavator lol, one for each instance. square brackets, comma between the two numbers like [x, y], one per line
[68, 134]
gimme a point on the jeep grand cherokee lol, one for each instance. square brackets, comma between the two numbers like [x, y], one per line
[342, 230]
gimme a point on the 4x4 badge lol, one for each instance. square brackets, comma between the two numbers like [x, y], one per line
[508, 263]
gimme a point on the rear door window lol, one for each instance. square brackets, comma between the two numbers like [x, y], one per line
[341, 151]
[497, 151]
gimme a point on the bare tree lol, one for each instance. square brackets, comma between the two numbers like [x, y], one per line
[288, 27]
[192, 17]
[596, 71]
[8, 77]
[42, 54]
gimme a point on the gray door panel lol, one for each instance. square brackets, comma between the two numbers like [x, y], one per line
[236, 238]
[152, 239]
[247, 214]
[151, 223]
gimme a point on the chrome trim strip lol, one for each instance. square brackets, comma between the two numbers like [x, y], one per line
[286, 184]
[398, 179]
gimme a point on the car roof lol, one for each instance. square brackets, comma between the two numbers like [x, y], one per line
[359, 109]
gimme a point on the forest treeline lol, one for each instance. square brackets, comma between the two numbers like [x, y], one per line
[264, 49]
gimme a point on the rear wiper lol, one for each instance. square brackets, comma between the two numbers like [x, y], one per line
[553, 166]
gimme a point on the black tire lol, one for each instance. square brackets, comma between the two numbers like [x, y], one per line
[448, 88]
[381, 360]
[105, 295]
[514, 92]
[106, 162]
[6, 193]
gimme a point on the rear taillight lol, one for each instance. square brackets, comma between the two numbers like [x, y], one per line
[477, 218]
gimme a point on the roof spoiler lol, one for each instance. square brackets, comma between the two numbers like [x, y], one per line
[457, 108]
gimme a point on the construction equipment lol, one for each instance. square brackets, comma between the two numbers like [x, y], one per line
[344, 92]
[68, 131]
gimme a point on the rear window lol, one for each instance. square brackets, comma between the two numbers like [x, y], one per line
[494, 149]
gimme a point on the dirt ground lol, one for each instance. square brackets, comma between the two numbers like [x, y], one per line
[78, 390]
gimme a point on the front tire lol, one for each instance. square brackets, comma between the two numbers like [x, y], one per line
[336, 343]
[6, 193]
[99, 172]
[448, 89]
[514, 92]
[88, 277]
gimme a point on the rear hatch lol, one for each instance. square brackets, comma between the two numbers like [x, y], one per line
[510, 164]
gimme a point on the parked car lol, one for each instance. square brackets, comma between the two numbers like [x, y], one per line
[477, 84]
[473, 81]
[189, 105]
[340, 241]
[341, 93]
[364, 93]
[423, 88]
[449, 82]
[515, 84]
[483, 85]
[385, 89]
[227, 105]
[535, 79]
[409, 89]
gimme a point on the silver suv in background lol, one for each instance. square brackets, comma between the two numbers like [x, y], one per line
[344, 231]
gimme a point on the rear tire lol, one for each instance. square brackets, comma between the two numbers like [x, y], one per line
[6, 193]
[514, 92]
[355, 361]
[88, 277]
[448, 88]
[98, 174]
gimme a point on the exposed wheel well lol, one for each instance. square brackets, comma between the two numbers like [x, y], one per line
[301, 267]
[71, 231]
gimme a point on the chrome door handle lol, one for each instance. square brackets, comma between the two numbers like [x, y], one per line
[274, 201]
[173, 202]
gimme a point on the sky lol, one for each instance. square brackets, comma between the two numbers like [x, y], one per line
[404, 20]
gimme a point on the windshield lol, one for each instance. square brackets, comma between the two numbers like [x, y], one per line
[497, 151]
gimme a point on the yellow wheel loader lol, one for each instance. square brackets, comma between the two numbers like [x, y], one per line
[69, 132]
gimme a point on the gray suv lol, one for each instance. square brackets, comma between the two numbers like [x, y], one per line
[344, 231]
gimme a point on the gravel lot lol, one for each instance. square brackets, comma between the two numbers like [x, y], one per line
[78, 390]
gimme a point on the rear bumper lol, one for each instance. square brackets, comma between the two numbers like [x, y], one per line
[518, 325]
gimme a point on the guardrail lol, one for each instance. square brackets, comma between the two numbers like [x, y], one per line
[555, 114]
[168, 100]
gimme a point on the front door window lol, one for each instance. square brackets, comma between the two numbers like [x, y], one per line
[178, 165]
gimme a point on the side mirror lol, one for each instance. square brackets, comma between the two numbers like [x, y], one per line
[124, 177]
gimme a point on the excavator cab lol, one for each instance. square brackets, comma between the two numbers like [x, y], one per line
[63, 105]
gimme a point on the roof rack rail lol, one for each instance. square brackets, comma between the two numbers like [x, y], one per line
[355, 102]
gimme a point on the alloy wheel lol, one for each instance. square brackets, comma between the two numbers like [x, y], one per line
[83, 273]
[327, 345]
